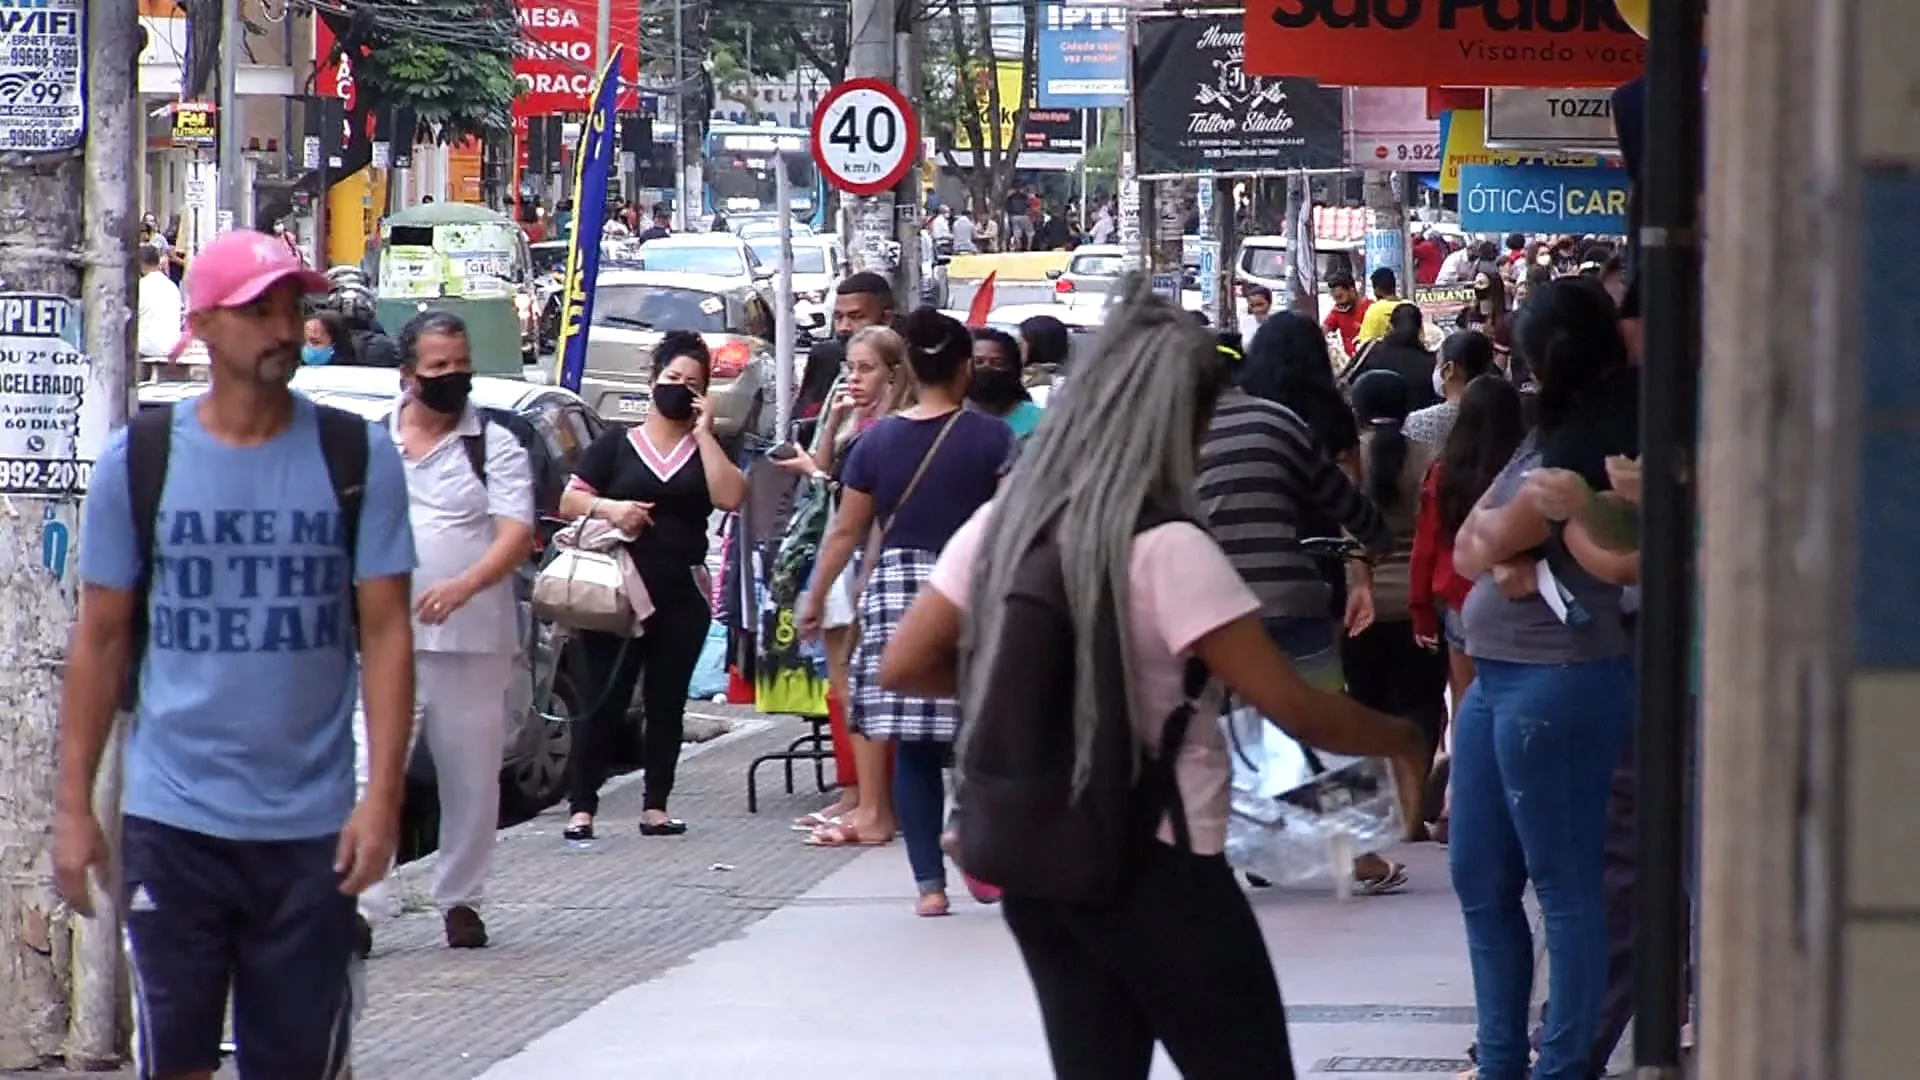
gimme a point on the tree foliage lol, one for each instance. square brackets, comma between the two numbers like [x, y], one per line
[451, 61]
[786, 35]
[961, 89]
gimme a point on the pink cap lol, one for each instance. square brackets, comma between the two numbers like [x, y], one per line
[236, 268]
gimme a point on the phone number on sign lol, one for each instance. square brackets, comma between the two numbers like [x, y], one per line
[28, 475]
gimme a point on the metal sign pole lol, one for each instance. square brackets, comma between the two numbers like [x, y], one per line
[783, 334]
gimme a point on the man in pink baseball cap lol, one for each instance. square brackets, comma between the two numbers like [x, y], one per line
[247, 569]
[235, 274]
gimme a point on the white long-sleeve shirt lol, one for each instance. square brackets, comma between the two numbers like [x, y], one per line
[160, 314]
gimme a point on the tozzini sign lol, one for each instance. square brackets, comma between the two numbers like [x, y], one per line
[1444, 42]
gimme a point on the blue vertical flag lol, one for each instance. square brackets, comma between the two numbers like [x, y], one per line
[592, 162]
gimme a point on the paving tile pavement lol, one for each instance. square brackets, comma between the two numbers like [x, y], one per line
[570, 928]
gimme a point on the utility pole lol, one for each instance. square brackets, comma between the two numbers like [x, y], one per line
[681, 217]
[1131, 189]
[66, 268]
[871, 217]
[235, 208]
[603, 34]
[1225, 236]
[907, 202]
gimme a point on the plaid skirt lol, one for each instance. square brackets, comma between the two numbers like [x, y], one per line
[880, 714]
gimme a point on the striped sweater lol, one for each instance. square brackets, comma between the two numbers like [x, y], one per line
[1261, 472]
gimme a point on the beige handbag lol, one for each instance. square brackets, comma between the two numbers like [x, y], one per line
[591, 583]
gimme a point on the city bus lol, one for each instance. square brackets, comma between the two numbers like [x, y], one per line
[740, 177]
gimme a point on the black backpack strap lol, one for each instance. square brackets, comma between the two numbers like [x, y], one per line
[477, 447]
[343, 442]
[149, 442]
[1173, 737]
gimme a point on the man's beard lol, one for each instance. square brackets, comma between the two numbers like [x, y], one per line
[276, 367]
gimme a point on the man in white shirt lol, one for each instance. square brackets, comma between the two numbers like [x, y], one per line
[1103, 225]
[963, 234]
[160, 319]
[1453, 268]
[470, 489]
[942, 226]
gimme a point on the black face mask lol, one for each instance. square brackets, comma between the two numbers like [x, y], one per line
[673, 400]
[445, 393]
[993, 387]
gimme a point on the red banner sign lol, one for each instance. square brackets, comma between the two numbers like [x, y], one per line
[1559, 43]
[556, 64]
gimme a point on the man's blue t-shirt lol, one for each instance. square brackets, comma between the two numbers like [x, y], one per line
[244, 724]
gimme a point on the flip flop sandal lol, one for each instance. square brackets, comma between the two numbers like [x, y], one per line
[933, 906]
[841, 836]
[816, 820]
[1392, 881]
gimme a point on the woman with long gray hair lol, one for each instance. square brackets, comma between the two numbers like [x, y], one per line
[1175, 955]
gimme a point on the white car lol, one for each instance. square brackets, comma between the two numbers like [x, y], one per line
[711, 255]
[1263, 261]
[757, 228]
[1089, 275]
[818, 264]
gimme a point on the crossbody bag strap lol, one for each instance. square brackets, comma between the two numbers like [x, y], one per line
[878, 536]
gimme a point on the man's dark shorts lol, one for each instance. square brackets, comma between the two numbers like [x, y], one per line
[265, 919]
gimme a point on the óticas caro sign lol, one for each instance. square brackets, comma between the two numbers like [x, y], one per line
[1444, 42]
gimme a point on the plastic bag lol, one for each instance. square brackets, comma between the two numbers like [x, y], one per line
[1300, 815]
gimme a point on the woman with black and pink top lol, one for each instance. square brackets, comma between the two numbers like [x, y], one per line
[659, 482]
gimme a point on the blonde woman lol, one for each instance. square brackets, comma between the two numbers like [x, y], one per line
[874, 383]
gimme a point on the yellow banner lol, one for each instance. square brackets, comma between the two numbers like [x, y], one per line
[1467, 145]
[1007, 75]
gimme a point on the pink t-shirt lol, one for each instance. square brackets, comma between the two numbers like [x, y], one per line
[1182, 589]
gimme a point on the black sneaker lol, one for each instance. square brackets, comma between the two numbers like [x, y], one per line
[362, 937]
[465, 929]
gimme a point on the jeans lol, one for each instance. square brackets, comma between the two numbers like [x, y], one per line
[920, 798]
[1177, 960]
[1535, 747]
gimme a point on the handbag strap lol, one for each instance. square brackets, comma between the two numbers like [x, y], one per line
[877, 538]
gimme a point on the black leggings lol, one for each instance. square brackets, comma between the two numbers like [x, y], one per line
[661, 663]
[1388, 671]
[1179, 960]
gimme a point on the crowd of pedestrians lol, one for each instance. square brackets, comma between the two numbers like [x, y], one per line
[1157, 503]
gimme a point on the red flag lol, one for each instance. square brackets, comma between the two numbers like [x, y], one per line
[982, 302]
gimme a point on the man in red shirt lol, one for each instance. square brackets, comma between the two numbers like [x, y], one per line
[1427, 257]
[1349, 309]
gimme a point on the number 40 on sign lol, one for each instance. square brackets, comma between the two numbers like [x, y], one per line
[865, 136]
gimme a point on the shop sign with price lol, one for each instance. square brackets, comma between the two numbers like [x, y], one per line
[865, 136]
[53, 424]
[1388, 130]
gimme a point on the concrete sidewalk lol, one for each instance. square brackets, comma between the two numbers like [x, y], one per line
[845, 977]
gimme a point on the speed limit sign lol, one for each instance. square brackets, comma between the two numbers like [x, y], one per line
[864, 136]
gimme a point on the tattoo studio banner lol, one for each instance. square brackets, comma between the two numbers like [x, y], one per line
[1198, 111]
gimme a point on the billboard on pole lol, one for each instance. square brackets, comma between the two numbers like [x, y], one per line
[1083, 57]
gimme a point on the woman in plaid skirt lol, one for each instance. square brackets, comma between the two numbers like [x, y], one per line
[908, 485]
